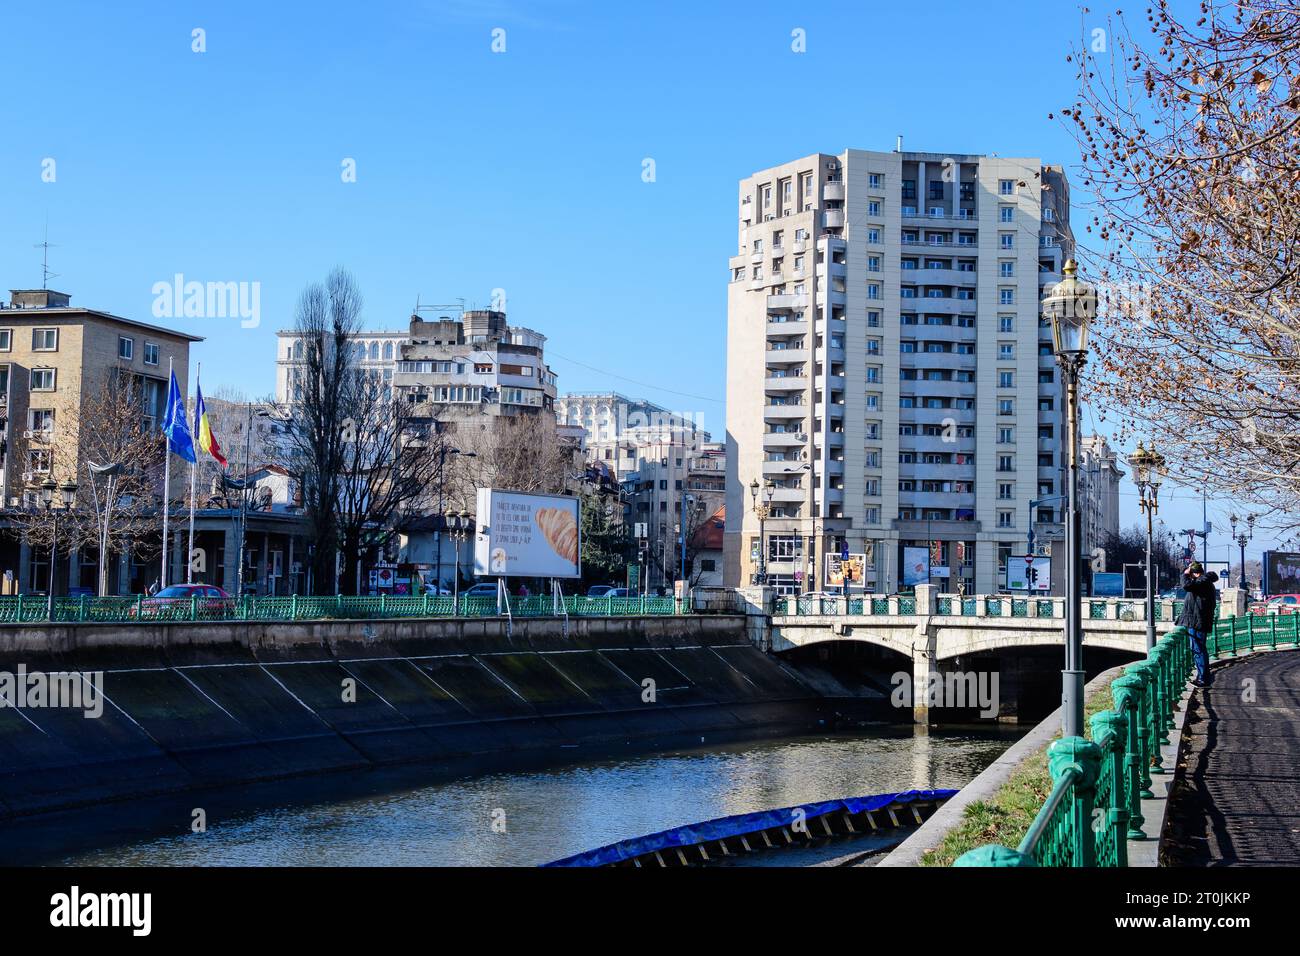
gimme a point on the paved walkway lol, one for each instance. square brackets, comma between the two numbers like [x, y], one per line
[1238, 800]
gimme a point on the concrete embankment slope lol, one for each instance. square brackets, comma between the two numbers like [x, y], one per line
[200, 705]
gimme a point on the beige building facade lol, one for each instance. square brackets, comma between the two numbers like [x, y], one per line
[54, 358]
[887, 371]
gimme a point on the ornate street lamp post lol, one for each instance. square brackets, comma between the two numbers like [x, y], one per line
[1243, 537]
[68, 493]
[458, 525]
[1070, 307]
[762, 510]
[1148, 471]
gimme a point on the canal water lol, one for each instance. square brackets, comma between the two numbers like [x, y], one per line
[527, 818]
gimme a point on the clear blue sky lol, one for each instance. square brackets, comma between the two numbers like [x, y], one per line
[478, 170]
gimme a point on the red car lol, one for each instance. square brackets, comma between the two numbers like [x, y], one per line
[1278, 604]
[176, 602]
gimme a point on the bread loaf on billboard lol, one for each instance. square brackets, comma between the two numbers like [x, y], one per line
[560, 529]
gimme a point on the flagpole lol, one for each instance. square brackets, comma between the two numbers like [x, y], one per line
[167, 484]
[189, 562]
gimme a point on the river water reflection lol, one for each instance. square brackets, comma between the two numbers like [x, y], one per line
[553, 813]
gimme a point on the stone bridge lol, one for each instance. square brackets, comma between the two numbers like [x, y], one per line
[929, 627]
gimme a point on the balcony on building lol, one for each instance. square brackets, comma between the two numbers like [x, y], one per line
[785, 383]
[787, 328]
[926, 389]
[936, 499]
[922, 444]
[783, 357]
[789, 494]
[919, 528]
[924, 275]
[786, 410]
[833, 218]
[921, 215]
[788, 439]
[943, 305]
[936, 333]
[783, 468]
[936, 416]
[949, 471]
[787, 302]
[923, 361]
[833, 191]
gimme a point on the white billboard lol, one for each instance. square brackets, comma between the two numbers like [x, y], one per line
[527, 535]
[1029, 572]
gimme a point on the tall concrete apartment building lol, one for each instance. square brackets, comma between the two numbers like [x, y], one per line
[887, 369]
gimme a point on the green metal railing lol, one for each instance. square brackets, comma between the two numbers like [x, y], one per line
[960, 606]
[1095, 806]
[1253, 632]
[1098, 785]
[34, 609]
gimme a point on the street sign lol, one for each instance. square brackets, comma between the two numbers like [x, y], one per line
[844, 550]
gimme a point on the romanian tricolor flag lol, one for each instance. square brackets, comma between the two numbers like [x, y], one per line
[203, 436]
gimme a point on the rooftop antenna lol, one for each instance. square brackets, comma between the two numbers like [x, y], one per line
[46, 274]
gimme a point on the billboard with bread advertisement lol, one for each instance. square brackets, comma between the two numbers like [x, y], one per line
[526, 535]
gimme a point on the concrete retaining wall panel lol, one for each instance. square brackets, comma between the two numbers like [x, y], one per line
[604, 684]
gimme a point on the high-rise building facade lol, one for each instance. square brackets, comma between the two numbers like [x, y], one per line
[1099, 474]
[887, 370]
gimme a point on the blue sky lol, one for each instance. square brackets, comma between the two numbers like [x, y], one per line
[478, 170]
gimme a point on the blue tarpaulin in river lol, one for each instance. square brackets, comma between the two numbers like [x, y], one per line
[740, 824]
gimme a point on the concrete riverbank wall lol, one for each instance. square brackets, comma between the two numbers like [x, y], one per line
[189, 706]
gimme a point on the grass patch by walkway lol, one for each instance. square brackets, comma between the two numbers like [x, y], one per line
[1006, 817]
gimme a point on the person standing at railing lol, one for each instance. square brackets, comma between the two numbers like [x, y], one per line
[1198, 616]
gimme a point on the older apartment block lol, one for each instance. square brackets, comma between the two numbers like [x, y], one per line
[55, 361]
[887, 369]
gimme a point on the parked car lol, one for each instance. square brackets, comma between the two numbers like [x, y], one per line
[600, 590]
[1278, 604]
[623, 593]
[482, 589]
[175, 601]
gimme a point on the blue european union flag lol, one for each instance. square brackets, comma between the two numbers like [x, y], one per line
[174, 424]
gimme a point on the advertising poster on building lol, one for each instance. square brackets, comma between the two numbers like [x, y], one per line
[842, 573]
[1107, 584]
[527, 535]
[1281, 572]
[1032, 573]
[915, 566]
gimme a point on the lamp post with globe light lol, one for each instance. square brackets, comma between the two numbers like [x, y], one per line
[1070, 308]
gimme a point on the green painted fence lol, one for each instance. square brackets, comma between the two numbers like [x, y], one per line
[34, 609]
[1095, 806]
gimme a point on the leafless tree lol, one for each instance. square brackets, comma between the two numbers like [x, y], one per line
[326, 322]
[669, 558]
[108, 435]
[517, 453]
[1190, 138]
[390, 460]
